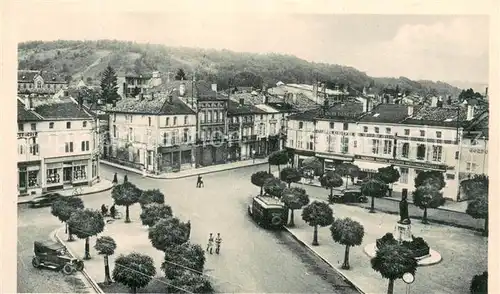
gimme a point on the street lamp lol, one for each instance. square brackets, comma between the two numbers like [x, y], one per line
[408, 278]
[253, 155]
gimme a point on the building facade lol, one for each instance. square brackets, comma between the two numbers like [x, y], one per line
[136, 83]
[241, 130]
[56, 143]
[42, 82]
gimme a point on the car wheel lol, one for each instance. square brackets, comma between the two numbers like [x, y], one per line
[68, 269]
[36, 262]
[79, 265]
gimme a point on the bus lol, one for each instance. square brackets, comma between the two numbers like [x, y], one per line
[268, 212]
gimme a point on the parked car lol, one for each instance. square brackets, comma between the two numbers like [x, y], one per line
[52, 255]
[268, 212]
[45, 200]
[348, 196]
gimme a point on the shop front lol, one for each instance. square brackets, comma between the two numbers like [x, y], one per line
[176, 158]
[29, 178]
[331, 160]
[67, 172]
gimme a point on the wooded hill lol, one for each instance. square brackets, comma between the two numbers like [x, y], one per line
[87, 60]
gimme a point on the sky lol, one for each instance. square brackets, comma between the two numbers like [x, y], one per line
[446, 47]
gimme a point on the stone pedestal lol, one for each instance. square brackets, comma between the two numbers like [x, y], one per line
[402, 232]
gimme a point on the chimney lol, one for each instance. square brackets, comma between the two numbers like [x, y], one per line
[124, 90]
[294, 98]
[434, 100]
[365, 105]
[410, 110]
[28, 102]
[214, 87]
[486, 92]
[370, 104]
[182, 90]
[315, 91]
[470, 111]
[440, 102]
[242, 101]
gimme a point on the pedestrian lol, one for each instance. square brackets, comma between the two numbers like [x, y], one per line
[201, 183]
[198, 181]
[218, 240]
[210, 244]
[112, 211]
[104, 210]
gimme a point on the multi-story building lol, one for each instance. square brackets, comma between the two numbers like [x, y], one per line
[56, 143]
[131, 83]
[154, 132]
[317, 92]
[42, 82]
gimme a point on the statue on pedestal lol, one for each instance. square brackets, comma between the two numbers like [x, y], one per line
[403, 227]
[403, 211]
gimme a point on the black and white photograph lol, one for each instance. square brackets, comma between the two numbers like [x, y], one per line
[270, 150]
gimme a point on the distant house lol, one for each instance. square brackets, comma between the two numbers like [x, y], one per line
[130, 82]
[40, 82]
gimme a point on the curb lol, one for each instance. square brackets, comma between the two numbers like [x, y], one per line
[78, 195]
[324, 260]
[89, 279]
[176, 177]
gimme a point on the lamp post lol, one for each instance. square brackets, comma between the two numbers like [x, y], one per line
[408, 278]
[253, 155]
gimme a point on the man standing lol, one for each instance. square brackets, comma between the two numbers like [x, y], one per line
[198, 182]
[210, 244]
[218, 240]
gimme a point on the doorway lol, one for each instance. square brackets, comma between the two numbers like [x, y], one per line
[67, 174]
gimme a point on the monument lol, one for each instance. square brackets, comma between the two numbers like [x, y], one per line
[403, 226]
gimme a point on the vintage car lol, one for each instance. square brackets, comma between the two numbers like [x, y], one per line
[348, 196]
[268, 212]
[52, 255]
[45, 200]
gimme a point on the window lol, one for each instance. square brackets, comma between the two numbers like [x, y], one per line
[403, 171]
[437, 152]
[457, 155]
[51, 125]
[422, 133]
[471, 166]
[20, 127]
[407, 132]
[185, 120]
[84, 124]
[131, 117]
[167, 121]
[80, 172]
[53, 176]
[175, 121]
[185, 136]
[85, 146]
[209, 116]
[421, 152]
[32, 178]
[165, 138]
[39, 84]
[387, 147]
[149, 121]
[68, 147]
[438, 134]
[33, 127]
[387, 130]
[365, 129]
[272, 116]
[68, 125]
[332, 125]
[345, 145]
[301, 125]
[376, 130]
[261, 117]
[129, 137]
[355, 144]
[346, 126]
[450, 176]
[405, 150]
[114, 131]
[375, 146]
[114, 117]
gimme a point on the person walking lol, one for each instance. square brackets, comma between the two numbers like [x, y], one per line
[112, 211]
[210, 244]
[218, 240]
[104, 210]
[198, 182]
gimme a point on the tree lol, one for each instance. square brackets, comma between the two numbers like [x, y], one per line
[312, 166]
[392, 261]
[388, 175]
[259, 178]
[109, 85]
[317, 214]
[278, 158]
[290, 175]
[105, 245]
[274, 187]
[294, 198]
[349, 233]
[478, 206]
[179, 258]
[134, 270]
[64, 207]
[427, 196]
[169, 232]
[180, 75]
[151, 196]
[331, 180]
[347, 169]
[126, 194]
[432, 177]
[479, 284]
[154, 212]
[373, 188]
[85, 223]
[191, 282]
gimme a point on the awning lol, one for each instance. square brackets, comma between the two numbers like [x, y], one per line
[371, 167]
[334, 156]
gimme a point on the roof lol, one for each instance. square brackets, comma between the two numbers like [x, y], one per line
[269, 202]
[51, 109]
[266, 108]
[301, 102]
[25, 115]
[349, 111]
[282, 107]
[236, 108]
[446, 116]
[49, 244]
[202, 90]
[388, 113]
[27, 76]
[479, 125]
[158, 104]
[129, 73]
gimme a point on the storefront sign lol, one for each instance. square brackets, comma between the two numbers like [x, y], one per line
[402, 162]
[21, 135]
[477, 150]
[340, 133]
[428, 140]
[334, 156]
[376, 136]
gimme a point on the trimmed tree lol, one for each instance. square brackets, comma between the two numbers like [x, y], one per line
[432, 177]
[126, 194]
[278, 158]
[63, 208]
[154, 212]
[290, 175]
[331, 180]
[259, 178]
[347, 170]
[392, 261]
[134, 270]
[179, 258]
[388, 175]
[294, 198]
[479, 284]
[373, 188]
[151, 196]
[191, 282]
[274, 187]
[477, 190]
[169, 232]
[313, 164]
[427, 196]
[349, 233]
[317, 214]
[106, 245]
[85, 223]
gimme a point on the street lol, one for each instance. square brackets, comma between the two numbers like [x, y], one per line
[252, 259]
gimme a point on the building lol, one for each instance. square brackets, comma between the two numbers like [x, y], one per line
[41, 82]
[316, 93]
[131, 83]
[155, 132]
[56, 143]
